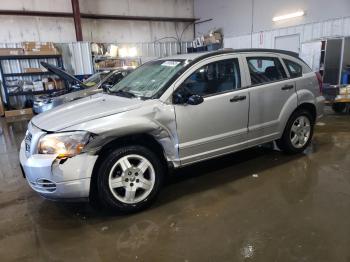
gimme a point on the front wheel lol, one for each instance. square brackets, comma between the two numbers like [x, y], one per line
[298, 132]
[130, 178]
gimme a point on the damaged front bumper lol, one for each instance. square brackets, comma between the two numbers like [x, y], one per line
[58, 179]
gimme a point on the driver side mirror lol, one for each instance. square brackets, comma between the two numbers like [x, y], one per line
[179, 98]
[106, 87]
[195, 100]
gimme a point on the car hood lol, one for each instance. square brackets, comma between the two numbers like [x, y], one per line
[76, 95]
[62, 74]
[84, 110]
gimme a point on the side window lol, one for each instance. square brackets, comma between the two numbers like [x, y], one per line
[294, 69]
[265, 69]
[214, 78]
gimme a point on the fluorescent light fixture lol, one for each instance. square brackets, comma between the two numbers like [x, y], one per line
[288, 16]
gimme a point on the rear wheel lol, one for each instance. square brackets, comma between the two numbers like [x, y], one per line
[298, 132]
[129, 179]
[339, 107]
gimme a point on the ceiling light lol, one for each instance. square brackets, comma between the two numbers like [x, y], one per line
[288, 16]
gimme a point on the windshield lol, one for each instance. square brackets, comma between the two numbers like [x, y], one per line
[95, 78]
[149, 78]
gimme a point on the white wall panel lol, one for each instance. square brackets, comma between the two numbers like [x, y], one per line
[308, 32]
[237, 17]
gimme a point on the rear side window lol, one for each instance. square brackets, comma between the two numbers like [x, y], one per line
[214, 78]
[294, 69]
[265, 70]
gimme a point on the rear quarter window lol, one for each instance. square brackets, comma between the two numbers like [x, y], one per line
[295, 70]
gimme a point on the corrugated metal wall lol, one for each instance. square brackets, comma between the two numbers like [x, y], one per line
[77, 56]
[308, 32]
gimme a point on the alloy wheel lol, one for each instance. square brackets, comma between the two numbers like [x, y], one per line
[131, 179]
[300, 132]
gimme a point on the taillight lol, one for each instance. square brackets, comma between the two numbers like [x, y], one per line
[320, 82]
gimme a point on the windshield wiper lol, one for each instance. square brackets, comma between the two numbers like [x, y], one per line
[123, 93]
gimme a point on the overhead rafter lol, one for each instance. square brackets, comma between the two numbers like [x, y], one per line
[97, 16]
[77, 20]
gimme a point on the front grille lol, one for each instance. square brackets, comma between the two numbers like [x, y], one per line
[44, 185]
[28, 141]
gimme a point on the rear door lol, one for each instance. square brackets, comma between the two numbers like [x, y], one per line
[271, 93]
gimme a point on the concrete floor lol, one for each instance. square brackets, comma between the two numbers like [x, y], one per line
[256, 205]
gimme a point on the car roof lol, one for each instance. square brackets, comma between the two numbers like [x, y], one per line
[202, 55]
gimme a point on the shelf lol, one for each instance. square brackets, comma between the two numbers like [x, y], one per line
[17, 57]
[116, 58]
[23, 93]
[107, 69]
[29, 74]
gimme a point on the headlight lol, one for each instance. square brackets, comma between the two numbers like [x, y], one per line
[64, 144]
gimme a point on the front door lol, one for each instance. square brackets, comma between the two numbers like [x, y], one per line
[219, 123]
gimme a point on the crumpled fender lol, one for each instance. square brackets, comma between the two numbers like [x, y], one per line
[153, 118]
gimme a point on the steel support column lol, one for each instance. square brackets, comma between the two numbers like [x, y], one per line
[77, 20]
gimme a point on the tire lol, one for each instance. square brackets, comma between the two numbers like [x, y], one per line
[339, 107]
[295, 142]
[124, 184]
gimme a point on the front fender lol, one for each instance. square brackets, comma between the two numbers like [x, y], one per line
[156, 120]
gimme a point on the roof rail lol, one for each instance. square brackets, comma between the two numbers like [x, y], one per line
[253, 50]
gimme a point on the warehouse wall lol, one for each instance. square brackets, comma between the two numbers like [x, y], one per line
[332, 28]
[235, 16]
[17, 29]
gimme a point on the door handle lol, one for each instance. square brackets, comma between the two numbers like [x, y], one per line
[237, 98]
[287, 87]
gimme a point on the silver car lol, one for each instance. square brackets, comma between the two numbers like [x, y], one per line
[93, 85]
[170, 113]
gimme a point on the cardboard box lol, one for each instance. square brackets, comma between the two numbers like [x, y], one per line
[38, 86]
[49, 85]
[213, 38]
[10, 51]
[27, 87]
[20, 112]
[112, 63]
[59, 84]
[34, 70]
[33, 46]
[42, 52]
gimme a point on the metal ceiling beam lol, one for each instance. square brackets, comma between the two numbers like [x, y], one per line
[97, 16]
[35, 13]
[137, 18]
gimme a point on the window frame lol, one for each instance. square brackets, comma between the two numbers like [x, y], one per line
[269, 56]
[285, 61]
